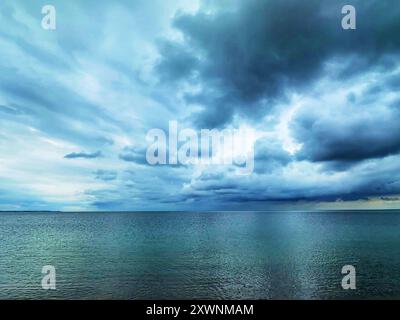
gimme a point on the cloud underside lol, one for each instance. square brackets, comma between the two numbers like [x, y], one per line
[83, 155]
[324, 102]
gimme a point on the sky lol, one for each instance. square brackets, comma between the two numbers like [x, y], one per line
[77, 102]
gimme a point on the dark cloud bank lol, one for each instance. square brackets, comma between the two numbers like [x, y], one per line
[249, 57]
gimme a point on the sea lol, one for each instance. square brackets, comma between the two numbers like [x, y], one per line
[200, 255]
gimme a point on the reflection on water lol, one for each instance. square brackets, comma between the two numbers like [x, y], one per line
[225, 255]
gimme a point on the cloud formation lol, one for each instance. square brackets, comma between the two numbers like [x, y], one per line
[83, 155]
[324, 103]
[252, 53]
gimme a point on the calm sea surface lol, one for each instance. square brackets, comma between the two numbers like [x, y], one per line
[214, 255]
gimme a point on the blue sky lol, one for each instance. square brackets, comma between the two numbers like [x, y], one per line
[76, 103]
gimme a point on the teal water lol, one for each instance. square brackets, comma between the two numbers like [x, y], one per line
[215, 255]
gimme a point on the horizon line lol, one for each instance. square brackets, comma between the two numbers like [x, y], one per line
[193, 211]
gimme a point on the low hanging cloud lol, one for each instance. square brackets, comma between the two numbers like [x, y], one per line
[84, 155]
[133, 154]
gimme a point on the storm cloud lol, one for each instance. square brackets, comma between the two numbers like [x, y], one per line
[76, 103]
[247, 55]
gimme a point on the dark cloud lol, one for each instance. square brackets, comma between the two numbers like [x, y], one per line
[177, 61]
[133, 154]
[84, 155]
[390, 198]
[269, 156]
[249, 55]
[138, 156]
[106, 175]
[377, 179]
[362, 133]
